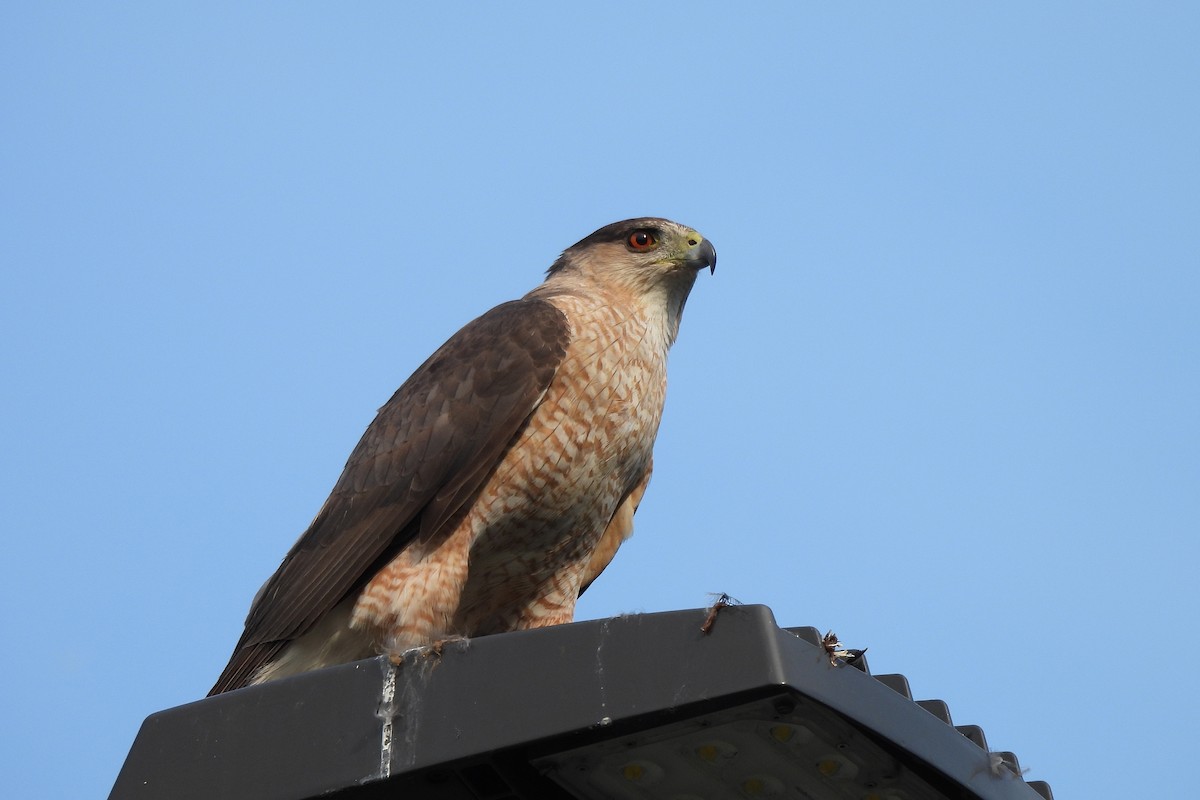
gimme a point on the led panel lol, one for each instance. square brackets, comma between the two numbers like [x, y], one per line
[786, 747]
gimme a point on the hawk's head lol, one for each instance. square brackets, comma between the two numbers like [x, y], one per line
[648, 262]
[645, 250]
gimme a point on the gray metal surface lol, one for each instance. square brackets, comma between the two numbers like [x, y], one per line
[481, 710]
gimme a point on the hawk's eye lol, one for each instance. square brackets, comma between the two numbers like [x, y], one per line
[642, 240]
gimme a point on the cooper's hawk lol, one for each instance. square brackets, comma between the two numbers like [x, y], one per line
[501, 477]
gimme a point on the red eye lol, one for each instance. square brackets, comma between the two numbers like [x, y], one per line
[642, 240]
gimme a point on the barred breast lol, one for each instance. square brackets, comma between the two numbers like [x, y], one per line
[518, 557]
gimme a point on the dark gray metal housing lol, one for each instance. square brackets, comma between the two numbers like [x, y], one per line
[480, 720]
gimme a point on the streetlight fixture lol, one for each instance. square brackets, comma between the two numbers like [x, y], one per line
[677, 705]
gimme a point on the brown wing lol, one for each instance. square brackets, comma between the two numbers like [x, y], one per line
[420, 463]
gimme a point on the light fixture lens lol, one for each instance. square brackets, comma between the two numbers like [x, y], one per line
[715, 751]
[746, 752]
[641, 772]
[761, 786]
[837, 767]
[790, 734]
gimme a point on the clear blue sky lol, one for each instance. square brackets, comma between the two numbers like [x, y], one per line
[942, 395]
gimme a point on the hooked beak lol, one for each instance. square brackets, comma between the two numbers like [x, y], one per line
[702, 254]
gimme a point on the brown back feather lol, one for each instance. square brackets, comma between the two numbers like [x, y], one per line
[418, 466]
